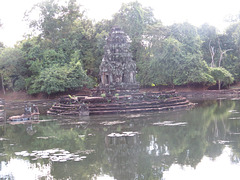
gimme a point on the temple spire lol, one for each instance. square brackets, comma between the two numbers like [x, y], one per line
[117, 67]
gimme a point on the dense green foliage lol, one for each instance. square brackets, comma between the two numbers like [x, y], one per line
[67, 48]
[221, 75]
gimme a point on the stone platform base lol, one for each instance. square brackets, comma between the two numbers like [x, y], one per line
[132, 103]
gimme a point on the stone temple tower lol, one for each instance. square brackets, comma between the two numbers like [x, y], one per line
[117, 69]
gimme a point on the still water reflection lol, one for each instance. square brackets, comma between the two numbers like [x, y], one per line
[202, 143]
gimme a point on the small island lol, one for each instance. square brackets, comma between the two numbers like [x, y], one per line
[118, 91]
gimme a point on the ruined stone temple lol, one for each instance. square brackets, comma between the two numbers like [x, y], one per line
[118, 91]
[117, 68]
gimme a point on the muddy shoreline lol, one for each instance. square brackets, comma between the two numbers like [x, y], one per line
[188, 93]
[15, 104]
[211, 94]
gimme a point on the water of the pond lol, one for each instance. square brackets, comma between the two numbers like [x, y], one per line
[202, 143]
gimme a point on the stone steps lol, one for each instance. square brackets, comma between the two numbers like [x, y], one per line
[115, 108]
[61, 107]
[156, 109]
[135, 103]
[143, 103]
[129, 106]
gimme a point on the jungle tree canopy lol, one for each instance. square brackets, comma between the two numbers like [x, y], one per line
[67, 49]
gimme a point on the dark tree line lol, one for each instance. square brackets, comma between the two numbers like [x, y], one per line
[65, 50]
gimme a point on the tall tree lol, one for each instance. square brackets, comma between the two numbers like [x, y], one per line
[134, 19]
[11, 67]
[166, 62]
[64, 32]
[55, 21]
[208, 35]
[194, 69]
[231, 42]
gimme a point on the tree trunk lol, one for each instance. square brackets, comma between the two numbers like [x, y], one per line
[219, 85]
[220, 60]
[212, 52]
[2, 84]
[221, 53]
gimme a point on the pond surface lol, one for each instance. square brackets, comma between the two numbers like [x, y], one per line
[202, 143]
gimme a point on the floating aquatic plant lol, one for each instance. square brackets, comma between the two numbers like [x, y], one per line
[55, 155]
[170, 123]
[124, 134]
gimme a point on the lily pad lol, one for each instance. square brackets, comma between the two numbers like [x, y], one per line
[3, 139]
[110, 123]
[54, 155]
[170, 123]
[124, 134]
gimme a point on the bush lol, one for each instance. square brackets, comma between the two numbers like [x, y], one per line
[222, 76]
[60, 78]
[19, 84]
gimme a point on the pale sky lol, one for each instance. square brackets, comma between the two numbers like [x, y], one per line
[196, 12]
